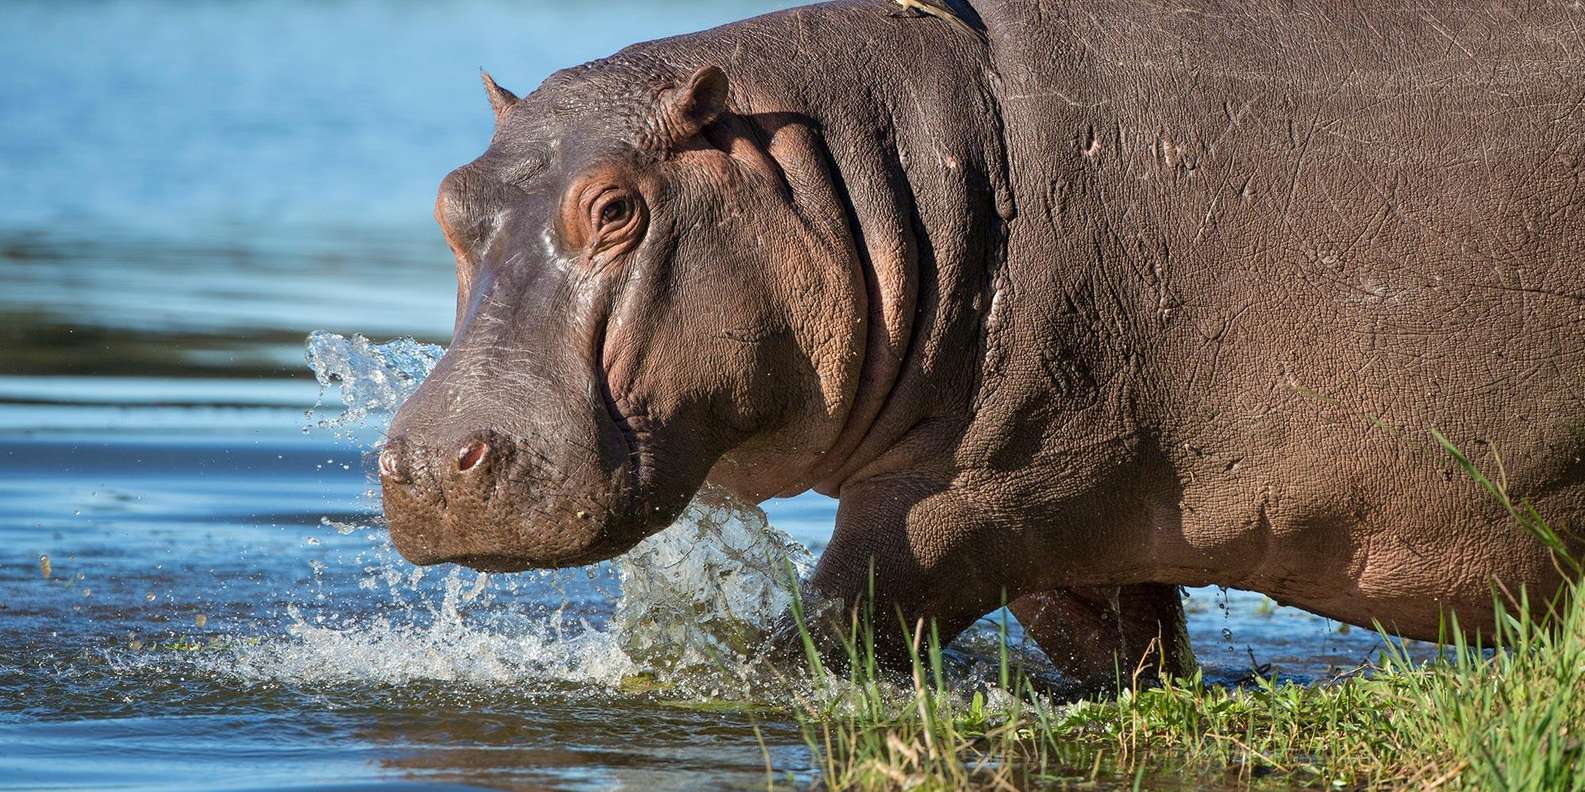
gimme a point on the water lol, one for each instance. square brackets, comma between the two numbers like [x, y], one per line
[191, 191]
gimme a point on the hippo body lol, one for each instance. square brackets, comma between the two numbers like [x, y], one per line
[1111, 299]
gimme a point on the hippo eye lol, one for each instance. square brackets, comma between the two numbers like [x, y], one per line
[602, 217]
[616, 212]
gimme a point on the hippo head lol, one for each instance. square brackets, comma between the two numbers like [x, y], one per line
[641, 304]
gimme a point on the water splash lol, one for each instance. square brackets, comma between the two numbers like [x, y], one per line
[707, 588]
[694, 603]
[438, 643]
[370, 378]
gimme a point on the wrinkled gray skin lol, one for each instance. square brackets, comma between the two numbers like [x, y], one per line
[1121, 297]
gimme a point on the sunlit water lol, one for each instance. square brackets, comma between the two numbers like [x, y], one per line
[192, 190]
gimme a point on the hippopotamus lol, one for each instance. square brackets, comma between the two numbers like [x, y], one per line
[1068, 310]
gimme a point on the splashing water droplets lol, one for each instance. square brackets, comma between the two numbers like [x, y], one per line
[342, 528]
[706, 588]
[694, 600]
[372, 378]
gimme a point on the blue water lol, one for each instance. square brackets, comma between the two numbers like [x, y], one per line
[188, 191]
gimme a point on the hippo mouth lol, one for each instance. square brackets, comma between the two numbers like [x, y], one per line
[632, 444]
[511, 563]
[503, 502]
[491, 563]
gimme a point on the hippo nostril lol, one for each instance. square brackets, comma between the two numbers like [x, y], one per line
[472, 454]
[390, 466]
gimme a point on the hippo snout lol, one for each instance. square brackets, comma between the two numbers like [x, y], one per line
[397, 460]
[487, 499]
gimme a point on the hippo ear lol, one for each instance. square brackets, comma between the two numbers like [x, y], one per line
[690, 107]
[500, 98]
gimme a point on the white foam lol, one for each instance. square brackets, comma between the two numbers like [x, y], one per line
[442, 648]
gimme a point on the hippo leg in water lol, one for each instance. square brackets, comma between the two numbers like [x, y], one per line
[1100, 637]
[1089, 302]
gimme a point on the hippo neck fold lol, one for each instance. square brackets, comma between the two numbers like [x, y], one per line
[901, 162]
[915, 145]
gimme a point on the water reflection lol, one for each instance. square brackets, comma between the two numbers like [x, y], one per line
[612, 745]
[177, 308]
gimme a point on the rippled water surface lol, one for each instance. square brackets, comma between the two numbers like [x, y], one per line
[190, 191]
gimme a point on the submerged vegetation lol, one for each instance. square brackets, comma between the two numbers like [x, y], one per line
[1470, 718]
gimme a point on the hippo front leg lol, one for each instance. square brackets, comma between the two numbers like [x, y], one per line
[1099, 636]
[903, 550]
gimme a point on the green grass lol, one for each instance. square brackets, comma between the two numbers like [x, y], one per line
[1471, 718]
